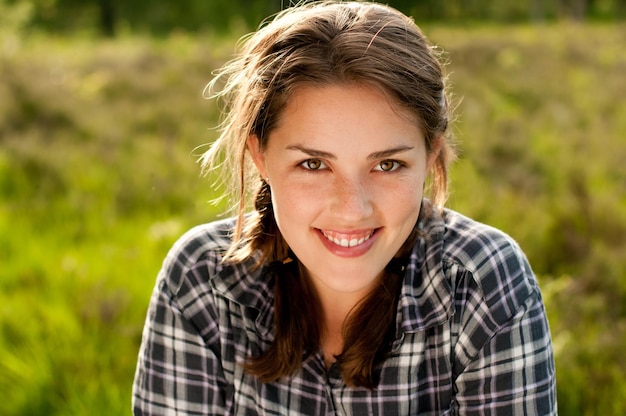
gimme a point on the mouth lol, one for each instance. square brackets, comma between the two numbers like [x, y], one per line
[348, 240]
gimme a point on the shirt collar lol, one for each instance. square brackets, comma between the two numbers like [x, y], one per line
[251, 287]
[426, 295]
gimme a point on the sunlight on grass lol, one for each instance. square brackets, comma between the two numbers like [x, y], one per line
[98, 177]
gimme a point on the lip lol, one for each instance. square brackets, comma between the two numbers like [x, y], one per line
[361, 247]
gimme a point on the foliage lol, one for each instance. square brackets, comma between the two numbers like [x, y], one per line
[14, 17]
[543, 143]
[108, 17]
[98, 177]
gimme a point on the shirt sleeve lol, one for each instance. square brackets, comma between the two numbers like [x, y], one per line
[503, 357]
[513, 373]
[179, 369]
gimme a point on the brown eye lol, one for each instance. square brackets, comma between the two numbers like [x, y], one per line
[388, 165]
[312, 164]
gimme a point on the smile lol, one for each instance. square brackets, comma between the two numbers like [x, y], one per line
[347, 240]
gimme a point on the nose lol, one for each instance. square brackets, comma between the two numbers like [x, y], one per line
[351, 200]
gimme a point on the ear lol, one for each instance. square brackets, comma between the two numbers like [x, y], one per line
[258, 157]
[432, 156]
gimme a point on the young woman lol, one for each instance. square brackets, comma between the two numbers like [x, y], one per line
[343, 289]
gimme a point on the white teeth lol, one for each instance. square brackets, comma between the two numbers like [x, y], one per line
[344, 242]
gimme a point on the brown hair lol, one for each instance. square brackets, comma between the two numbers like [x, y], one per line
[321, 43]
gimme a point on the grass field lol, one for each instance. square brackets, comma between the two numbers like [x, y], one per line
[98, 142]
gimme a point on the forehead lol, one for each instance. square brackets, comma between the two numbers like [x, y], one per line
[344, 112]
[344, 99]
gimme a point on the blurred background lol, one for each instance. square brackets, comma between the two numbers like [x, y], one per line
[102, 120]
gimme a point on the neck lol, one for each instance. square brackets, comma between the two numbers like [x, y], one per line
[335, 311]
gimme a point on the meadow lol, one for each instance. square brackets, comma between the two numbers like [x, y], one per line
[98, 177]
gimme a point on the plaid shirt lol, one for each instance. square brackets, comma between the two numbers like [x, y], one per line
[472, 335]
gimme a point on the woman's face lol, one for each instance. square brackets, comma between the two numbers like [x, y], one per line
[346, 169]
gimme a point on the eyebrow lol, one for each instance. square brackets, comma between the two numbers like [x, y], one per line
[383, 154]
[326, 155]
[311, 152]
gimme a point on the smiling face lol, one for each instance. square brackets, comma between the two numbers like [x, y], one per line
[346, 168]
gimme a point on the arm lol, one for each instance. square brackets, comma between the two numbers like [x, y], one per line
[502, 358]
[179, 369]
[513, 373]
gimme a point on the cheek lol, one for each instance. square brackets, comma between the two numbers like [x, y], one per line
[402, 195]
[292, 203]
[401, 208]
[405, 209]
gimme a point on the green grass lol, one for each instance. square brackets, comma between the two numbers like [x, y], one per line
[543, 131]
[98, 178]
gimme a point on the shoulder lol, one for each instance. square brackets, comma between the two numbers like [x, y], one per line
[476, 245]
[492, 259]
[201, 244]
[195, 266]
